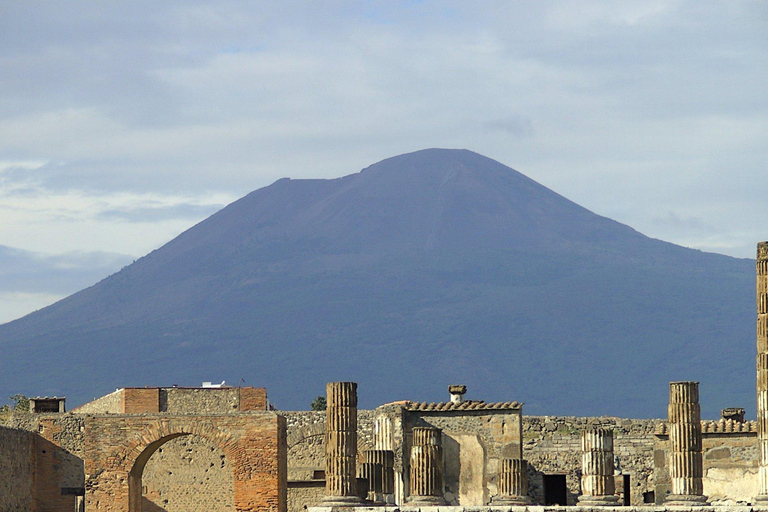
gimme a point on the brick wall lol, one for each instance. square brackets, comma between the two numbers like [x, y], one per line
[253, 399]
[140, 400]
[253, 443]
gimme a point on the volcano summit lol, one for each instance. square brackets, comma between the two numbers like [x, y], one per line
[422, 270]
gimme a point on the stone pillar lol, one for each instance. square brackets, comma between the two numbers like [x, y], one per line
[685, 460]
[379, 471]
[382, 433]
[762, 370]
[341, 444]
[512, 483]
[597, 484]
[426, 467]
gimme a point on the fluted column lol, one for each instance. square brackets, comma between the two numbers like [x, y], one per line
[762, 369]
[512, 483]
[341, 443]
[382, 433]
[597, 484]
[379, 471]
[685, 460]
[426, 486]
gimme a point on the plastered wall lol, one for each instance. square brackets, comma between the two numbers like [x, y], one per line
[473, 443]
[730, 463]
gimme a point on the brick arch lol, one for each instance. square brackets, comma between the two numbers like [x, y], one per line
[144, 444]
[117, 448]
[168, 430]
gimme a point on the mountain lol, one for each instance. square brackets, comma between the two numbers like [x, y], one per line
[427, 269]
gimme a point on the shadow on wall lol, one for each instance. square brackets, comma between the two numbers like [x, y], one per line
[59, 475]
[150, 506]
[451, 459]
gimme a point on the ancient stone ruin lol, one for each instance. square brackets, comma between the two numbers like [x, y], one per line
[225, 449]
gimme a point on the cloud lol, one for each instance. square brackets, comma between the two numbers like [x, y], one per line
[25, 272]
[14, 305]
[159, 212]
[140, 118]
[517, 126]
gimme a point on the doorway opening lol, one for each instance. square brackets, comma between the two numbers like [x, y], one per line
[555, 490]
[627, 491]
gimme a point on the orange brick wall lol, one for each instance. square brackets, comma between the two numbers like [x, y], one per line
[253, 399]
[253, 443]
[141, 400]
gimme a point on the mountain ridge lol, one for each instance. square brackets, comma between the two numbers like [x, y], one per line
[442, 263]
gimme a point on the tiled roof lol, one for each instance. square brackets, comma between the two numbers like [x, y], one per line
[715, 427]
[466, 405]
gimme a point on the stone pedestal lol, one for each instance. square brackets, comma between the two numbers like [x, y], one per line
[762, 370]
[685, 454]
[341, 444]
[512, 483]
[426, 471]
[597, 484]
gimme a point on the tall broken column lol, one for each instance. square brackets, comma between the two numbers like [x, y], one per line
[762, 369]
[341, 444]
[426, 475]
[685, 459]
[512, 483]
[597, 484]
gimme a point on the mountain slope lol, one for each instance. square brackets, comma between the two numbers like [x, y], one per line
[435, 267]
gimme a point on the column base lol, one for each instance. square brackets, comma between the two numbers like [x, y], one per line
[341, 501]
[685, 500]
[761, 500]
[427, 501]
[511, 500]
[610, 500]
[376, 499]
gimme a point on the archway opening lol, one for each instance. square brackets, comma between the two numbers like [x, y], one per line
[181, 473]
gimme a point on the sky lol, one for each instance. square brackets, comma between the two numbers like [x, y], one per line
[124, 123]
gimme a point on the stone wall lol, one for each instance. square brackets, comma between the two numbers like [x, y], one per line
[473, 443]
[107, 404]
[16, 470]
[552, 445]
[188, 473]
[730, 464]
[306, 453]
[54, 444]
[212, 400]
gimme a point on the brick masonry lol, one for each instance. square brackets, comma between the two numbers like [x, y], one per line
[78, 451]
[117, 449]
